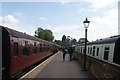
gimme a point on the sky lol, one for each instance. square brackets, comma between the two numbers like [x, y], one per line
[63, 17]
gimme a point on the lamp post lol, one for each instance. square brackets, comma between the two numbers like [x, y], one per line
[86, 25]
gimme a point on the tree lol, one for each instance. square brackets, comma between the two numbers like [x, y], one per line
[44, 34]
[82, 40]
[68, 39]
[63, 38]
[74, 40]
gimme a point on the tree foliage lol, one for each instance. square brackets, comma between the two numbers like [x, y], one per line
[82, 40]
[45, 34]
[74, 40]
[63, 38]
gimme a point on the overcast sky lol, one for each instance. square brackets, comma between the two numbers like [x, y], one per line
[63, 18]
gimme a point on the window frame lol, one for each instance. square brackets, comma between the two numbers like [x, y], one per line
[26, 46]
[40, 48]
[93, 53]
[97, 51]
[35, 48]
[14, 49]
[106, 52]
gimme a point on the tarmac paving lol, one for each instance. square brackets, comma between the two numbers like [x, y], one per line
[56, 68]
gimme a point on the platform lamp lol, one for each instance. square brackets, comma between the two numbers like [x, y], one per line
[86, 25]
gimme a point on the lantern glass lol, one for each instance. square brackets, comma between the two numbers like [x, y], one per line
[86, 23]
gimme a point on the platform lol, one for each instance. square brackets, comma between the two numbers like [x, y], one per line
[56, 68]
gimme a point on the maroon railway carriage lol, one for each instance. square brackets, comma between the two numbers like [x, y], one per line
[20, 50]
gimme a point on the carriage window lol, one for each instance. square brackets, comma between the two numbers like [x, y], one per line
[40, 49]
[35, 48]
[25, 48]
[97, 51]
[106, 53]
[77, 49]
[88, 50]
[48, 47]
[81, 49]
[15, 49]
[93, 51]
[44, 47]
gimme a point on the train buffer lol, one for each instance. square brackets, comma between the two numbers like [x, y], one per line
[54, 67]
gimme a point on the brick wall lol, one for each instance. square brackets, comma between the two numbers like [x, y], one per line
[100, 69]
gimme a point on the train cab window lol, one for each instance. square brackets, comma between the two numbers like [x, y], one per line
[25, 48]
[93, 51]
[40, 49]
[35, 48]
[106, 53]
[15, 49]
[97, 51]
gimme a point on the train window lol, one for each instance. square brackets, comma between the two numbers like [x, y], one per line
[35, 48]
[93, 51]
[25, 48]
[40, 49]
[81, 49]
[88, 50]
[48, 47]
[106, 53]
[97, 51]
[44, 48]
[15, 49]
[78, 49]
[23, 43]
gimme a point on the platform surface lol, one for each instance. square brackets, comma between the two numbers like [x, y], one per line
[56, 68]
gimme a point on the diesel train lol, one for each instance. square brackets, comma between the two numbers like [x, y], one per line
[20, 51]
[103, 57]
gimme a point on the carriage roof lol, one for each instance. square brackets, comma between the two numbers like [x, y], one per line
[111, 39]
[18, 34]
